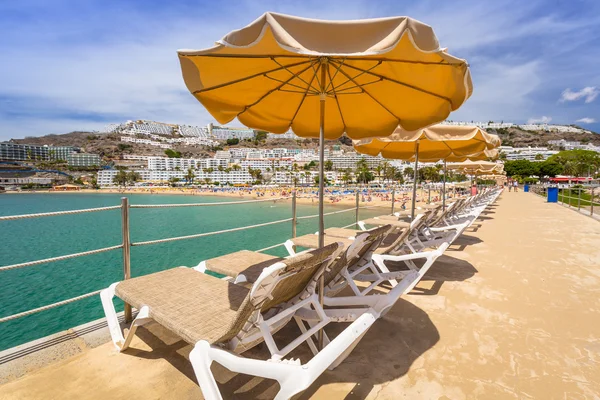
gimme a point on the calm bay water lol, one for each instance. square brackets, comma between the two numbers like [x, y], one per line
[31, 239]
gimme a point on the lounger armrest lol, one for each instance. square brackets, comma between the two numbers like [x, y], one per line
[415, 256]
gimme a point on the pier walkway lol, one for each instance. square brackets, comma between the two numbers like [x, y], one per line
[512, 311]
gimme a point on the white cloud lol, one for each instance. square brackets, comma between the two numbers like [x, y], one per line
[542, 120]
[68, 71]
[589, 93]
[586, 120]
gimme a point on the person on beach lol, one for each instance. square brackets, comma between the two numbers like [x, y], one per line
[516, 185]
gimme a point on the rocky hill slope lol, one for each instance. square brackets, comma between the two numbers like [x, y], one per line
[519, 138]
[110, 147]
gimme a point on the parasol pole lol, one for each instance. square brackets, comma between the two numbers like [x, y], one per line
[323, 96]
[414, 194]
[444, 188]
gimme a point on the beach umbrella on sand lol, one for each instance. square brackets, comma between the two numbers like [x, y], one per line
[432, 144]
[323, 78]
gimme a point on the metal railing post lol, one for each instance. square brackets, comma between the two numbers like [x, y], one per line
[357, 205]
[393, 200]
[578, 199]
[294, 220]
[592, 202]
[126, 250]
[429, 195]
[570, 196]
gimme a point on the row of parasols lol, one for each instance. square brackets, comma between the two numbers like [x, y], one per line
[383, 82]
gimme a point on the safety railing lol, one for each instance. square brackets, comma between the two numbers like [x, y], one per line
[126, 243]
[580, 198]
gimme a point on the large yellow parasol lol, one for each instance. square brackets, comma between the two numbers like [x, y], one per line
[323, 78]
[432, 144]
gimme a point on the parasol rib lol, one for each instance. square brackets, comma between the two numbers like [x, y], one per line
[335, 97]
[261, 98]
[401, 83]
[248, 77]
[371, 96]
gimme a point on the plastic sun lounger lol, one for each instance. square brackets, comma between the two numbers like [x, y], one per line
[222, 319]
[342, 273]
[404, 251]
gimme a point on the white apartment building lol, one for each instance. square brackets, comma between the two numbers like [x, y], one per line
[199, 131]
[224, 133]
[349, 160]
[552, 128]
[183, 164]
[482, 125]
[264, 163]
[106, 177]
[287, 135]
[303, 177]
[145, 141]
[526, 153]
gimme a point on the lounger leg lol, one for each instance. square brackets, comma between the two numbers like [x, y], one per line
[290, 247]
[121, 343]
[293, 377]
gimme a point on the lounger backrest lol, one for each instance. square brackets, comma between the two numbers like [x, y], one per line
[415, 225]
[449, 210]
[363, 245]
[292, 276]
[276, 285]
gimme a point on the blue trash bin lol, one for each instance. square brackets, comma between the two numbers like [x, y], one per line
[552, 195]
[526, 188]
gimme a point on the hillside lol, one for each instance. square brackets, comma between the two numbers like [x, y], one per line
[519, 138]
[110, 147]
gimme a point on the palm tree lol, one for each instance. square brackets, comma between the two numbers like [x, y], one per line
[121, 178]
[190, 175]
[378, 171]
[363, 173]
[306, 176]
[347, 177]
[385, 166]
[236, 167]
[173, 181]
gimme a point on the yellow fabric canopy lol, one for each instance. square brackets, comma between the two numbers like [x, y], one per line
[437, 142]
[477, 167]
[372, 76]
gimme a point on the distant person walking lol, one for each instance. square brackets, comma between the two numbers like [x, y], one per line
[510, 186]
[516, 185]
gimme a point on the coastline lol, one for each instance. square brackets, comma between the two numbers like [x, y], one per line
[305, 195]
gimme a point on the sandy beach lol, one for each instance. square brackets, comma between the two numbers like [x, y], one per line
[304, 195]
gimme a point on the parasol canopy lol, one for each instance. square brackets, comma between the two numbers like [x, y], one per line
[437, 142]
[372, 74]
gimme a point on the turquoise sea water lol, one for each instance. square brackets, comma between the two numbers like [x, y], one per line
[31, 239]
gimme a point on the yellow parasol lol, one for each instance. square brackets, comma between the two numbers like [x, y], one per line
[323, 78]
[431, 144]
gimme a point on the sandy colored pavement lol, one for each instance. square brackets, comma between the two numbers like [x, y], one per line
[511, 311]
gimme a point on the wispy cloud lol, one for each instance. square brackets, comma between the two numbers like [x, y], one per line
[586, 120]
[72, 64]
[588, 93]
[542, 120]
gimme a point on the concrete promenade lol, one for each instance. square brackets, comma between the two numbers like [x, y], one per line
[512, 310]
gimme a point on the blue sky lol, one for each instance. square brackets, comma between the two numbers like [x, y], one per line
[81, 64]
